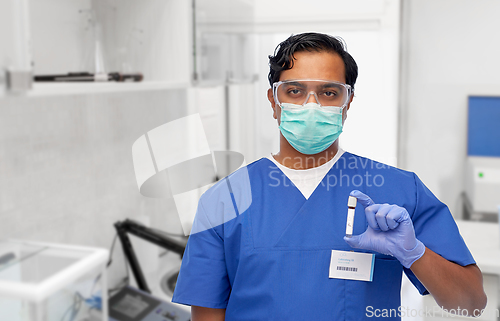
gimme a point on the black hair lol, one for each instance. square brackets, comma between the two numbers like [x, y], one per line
[311, 41]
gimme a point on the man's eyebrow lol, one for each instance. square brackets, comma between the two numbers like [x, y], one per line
[330, 84]
[295, 83]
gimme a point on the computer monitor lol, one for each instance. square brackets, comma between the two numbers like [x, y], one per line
[483, 136]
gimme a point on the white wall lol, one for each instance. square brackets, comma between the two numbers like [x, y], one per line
[66, 171]
[450, 50]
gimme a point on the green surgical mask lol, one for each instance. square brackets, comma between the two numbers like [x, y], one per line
[310, 128]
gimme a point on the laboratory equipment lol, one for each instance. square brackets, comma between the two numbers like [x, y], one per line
[149, 234]
[45, 282]
[482, 170]
[131, 304]
[351, 204]
[482, 184]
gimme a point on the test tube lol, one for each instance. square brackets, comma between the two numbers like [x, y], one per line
[351, 204]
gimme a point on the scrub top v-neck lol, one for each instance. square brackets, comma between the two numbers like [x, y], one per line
[269, 258]
[307, 180]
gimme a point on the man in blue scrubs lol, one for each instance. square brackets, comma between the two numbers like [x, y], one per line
[268, 241]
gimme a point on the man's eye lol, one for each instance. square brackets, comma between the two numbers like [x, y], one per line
[294, 91]
[330, 93]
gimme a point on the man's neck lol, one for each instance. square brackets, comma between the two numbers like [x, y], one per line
[291, 158]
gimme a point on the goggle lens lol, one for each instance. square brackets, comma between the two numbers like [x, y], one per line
[300, 92]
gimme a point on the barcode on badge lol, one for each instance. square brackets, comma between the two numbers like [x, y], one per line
[346, 268]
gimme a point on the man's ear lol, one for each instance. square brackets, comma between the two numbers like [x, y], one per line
[344, 113]
[270, 97]
[350, 101]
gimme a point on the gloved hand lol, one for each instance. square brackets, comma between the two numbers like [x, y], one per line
[390, 231]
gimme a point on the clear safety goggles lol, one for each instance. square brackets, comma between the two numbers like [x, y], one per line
[327, 93]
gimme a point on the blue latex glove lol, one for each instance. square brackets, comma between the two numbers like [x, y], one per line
[390, 231]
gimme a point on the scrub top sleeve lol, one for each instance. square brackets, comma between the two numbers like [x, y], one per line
[203, 279]
[435, 227]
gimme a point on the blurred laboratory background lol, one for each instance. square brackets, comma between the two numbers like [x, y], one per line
[82, 80]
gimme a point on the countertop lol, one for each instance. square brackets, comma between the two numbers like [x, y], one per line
[482, 239]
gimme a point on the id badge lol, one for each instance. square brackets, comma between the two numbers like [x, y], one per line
[352, 265]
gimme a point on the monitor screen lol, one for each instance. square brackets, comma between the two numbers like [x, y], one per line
[483, 136]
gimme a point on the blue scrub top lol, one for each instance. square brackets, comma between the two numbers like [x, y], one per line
[262, 251]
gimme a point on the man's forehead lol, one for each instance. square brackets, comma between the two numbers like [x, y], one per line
[315, 65]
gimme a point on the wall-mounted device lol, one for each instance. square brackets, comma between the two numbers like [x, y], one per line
[482, 171]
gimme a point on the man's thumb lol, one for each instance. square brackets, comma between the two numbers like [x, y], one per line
[353, 241]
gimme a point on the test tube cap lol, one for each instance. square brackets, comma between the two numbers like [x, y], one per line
[352, 201]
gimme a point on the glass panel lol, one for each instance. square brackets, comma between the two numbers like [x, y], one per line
[28, 263]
